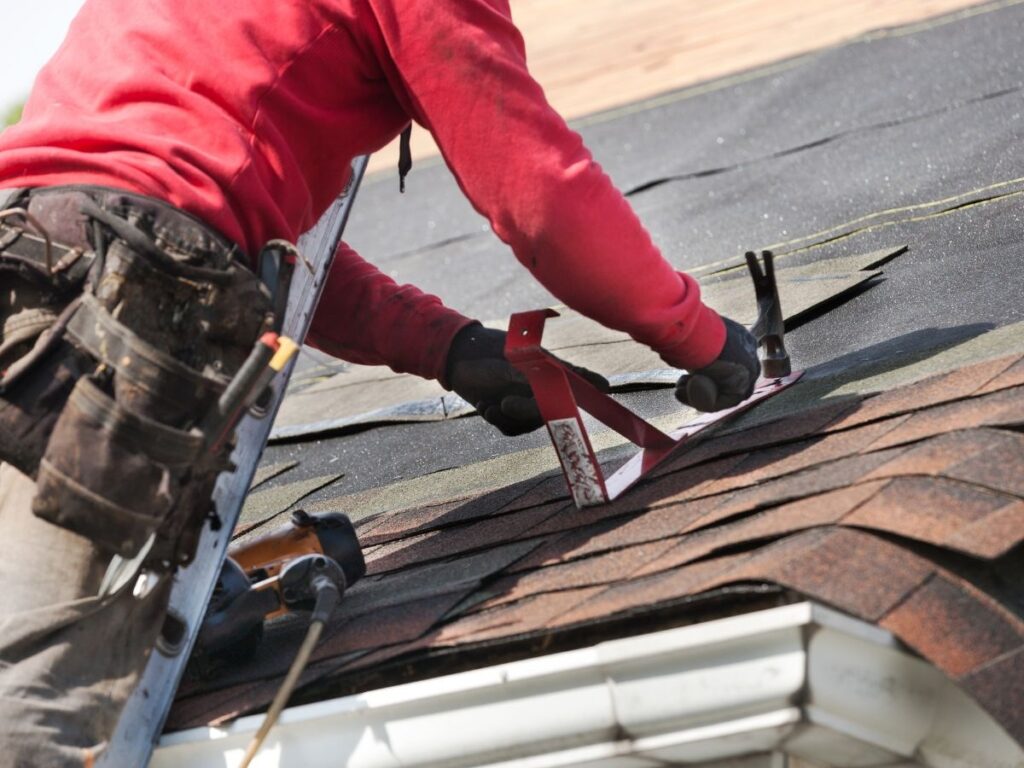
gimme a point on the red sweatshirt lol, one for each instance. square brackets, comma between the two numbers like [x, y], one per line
[247, 114]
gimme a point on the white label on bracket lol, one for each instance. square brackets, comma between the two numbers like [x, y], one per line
[583, 476]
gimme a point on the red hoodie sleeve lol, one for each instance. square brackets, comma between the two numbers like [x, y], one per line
[366, 317]
[461, 66]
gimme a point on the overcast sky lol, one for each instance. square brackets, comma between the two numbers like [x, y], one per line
[32, 32]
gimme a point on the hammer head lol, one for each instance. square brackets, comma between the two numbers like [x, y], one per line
[769, 330]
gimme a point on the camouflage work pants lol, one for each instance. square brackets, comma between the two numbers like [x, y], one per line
[68, 659]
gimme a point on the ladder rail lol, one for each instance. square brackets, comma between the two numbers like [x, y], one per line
[143, 718]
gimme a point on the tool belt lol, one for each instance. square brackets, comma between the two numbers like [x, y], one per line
[123, 320]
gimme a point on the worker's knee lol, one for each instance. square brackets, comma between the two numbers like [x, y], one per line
[68, 657]
[67, 670]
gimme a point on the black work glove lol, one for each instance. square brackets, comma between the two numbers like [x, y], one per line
[729, 380]
[478, 372]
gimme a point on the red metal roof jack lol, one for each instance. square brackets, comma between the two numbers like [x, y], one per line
[561, 393]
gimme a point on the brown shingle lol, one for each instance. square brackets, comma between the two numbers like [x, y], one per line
[645, 593]
[547, 490]
[389, 526]
[205, 709]
[247, 699]
[411, 585]
[819, 510]
[628, 529]
[997, 687]
[407, 522]
[605, 534]
[553, 549]
[1000, 467]
[438, 545]
[935, 510]
[1011, 377]
[953, 625]
[398, 626]
[811, 422]
[1003, 408]
[943, 388]
[933, 456]
[650, 526]
[388, 626]
[379, 656]
[828, 477]
[572, 518]
[607, 568]
[854, 571]
[679, 485]
[745, 473]
[989, 536]
[787, 459]
[534, 614]
[658, 491]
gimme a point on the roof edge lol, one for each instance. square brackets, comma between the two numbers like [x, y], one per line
[801, 679]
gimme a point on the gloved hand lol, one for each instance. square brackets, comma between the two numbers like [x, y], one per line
[479, 373]
[729, 380]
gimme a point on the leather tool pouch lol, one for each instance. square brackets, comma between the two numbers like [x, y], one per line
[107, 408]
[38, 281]
[29, 408]
[124, 463]
[110, 475]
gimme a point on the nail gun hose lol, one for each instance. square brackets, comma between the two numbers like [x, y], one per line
[327, 598]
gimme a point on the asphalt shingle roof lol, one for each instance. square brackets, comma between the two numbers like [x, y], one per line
[861, 506]
[886, 484]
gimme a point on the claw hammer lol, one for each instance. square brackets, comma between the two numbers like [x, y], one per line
[769, 330]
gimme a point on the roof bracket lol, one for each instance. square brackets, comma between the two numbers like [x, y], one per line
[561, 393]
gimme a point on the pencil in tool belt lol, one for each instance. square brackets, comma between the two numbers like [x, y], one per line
[269, 356]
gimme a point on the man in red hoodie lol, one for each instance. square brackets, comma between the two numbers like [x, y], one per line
[162, 147]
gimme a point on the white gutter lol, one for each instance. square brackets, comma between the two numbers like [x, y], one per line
[800, 680]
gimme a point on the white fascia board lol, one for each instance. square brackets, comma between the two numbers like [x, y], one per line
[800, 677]
[876, 694]
[700, 745]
